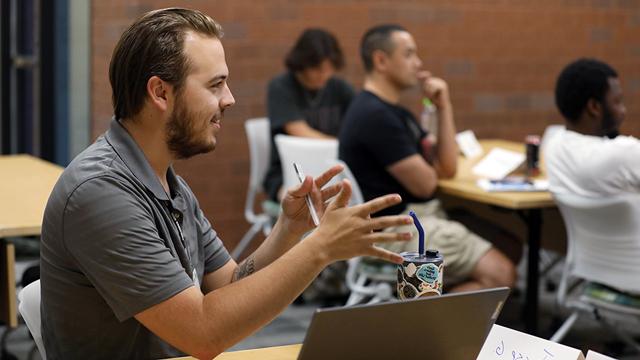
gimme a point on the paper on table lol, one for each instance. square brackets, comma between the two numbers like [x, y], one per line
[498, 163]
[468, 144]
[507, 344]
[592, 355]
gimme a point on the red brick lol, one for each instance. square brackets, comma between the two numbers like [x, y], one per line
[510, 51]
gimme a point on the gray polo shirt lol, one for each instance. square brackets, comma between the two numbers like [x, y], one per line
[114, 244]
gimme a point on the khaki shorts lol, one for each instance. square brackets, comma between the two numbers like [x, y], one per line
[460, 248]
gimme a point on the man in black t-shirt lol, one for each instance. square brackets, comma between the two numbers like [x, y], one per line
[307, 100]
[388, 152]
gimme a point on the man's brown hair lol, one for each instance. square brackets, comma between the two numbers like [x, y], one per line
[153, 46]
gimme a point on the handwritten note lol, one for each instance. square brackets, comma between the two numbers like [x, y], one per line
[507, 344]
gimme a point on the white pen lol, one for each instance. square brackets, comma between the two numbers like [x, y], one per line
[312, 210]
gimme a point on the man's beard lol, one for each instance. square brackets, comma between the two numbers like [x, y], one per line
[609, 126]
[181, 138]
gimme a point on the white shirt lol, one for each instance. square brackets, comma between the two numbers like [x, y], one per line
[592, 166]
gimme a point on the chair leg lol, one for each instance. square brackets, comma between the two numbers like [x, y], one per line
[383, 293]
[375, 300]
[564, 329]
[267, 226]
[355, 297]
[246, 239]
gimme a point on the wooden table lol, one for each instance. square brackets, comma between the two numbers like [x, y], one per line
[528, 205]
[25, 185]
[287, 352]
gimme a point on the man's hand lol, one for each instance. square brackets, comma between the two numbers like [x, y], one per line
[294, 207]
[294, 221]
[434, 88]
[446, 159]
[346, 232]
[205, 325]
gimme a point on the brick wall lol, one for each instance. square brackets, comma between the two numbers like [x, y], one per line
[500, 57]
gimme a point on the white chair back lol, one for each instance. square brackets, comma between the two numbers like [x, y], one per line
[370, 283]
[259, 139]
[29, 308]
[356, 194]
[314, 156]
[603, 240]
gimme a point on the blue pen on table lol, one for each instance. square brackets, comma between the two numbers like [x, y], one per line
[416, 222]
[312, 210]
[512, 181]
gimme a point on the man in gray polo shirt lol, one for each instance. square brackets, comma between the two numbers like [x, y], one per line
[131, 268]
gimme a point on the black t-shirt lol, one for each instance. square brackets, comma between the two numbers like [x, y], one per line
[288, 100]
[375, 135]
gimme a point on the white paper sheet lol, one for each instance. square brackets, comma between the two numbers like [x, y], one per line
[468, 144]
[507, 344]
[498, 163]
[592, 355]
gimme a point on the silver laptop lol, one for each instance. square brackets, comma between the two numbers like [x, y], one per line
[447, 327]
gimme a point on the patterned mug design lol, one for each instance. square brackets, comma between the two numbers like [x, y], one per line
[420, 276]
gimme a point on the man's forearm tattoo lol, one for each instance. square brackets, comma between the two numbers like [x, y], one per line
[246, 268]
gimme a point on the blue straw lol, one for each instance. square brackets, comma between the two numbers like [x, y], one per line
[416, 222]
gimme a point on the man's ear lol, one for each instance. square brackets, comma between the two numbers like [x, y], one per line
[158, 91]
[594, 108]
[380, 60]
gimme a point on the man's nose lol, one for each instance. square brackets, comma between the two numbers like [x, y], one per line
[227, 99]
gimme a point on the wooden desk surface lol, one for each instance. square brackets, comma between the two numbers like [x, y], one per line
[463, 185]
[287, 352]
[25, 185]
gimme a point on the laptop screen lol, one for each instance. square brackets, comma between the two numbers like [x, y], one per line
[447, 327]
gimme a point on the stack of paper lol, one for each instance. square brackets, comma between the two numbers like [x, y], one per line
[498, 163]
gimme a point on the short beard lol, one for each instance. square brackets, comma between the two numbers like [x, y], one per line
[180, 135]
[609, 128]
